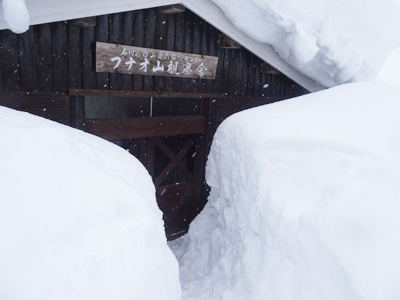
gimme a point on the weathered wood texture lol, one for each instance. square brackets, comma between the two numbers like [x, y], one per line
[52, 60]
[113, 58]
[172, 150]
[53, 106]
[132, 128]
[61, 56]
[137, 94]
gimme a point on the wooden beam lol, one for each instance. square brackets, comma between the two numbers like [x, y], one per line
[138, 94]
[131, 128]
[78, 115]
[84, 22]
[247, 101]
[225, 42]
[268, 69]
[50, 105]
[172, 9]
[175, 160]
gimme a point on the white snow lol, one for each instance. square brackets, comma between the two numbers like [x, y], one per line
[78, 218]
[331, 41]
[304, 204]
[305, 193]
[16, 15]
[390, 72]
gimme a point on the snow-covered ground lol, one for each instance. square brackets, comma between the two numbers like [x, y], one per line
[306, 208]
[304, 204]
[305, 198]
[78, 218]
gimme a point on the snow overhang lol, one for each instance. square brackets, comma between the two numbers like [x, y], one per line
[47, 11]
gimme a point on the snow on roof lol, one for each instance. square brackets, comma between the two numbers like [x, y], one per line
[331, 41]
[328, 41]
[47, 11]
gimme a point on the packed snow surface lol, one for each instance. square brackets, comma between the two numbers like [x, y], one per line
[16, 15]
[78, 218]
[304, 204]
[330, 41]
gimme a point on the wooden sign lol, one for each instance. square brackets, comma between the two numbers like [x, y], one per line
[113, 58]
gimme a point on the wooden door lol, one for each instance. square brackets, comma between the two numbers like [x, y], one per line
[172, 150]
[176, 166]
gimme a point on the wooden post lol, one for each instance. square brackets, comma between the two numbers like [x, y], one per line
[78, 114]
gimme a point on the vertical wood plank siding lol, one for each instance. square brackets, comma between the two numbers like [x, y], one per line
[9, 60]
[138, 40]
[59, 44]
[38, 68]
[74, 57]
[102, 35]
[127, 39]
[60, 56]
[115, 38]
[150, 42]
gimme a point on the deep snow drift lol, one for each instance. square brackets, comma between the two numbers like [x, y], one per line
[78, 218]
[304, 204]
[330, 41]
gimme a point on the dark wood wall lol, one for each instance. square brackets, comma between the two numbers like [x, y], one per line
[60, 56]
[39, 67]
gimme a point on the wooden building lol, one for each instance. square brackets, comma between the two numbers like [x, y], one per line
[167, 120]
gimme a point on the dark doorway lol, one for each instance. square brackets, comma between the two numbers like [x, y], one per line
[167, 134]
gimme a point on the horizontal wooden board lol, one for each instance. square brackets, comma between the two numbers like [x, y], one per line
[112, 58]
[139, 94]
[246, 102]
[51, 113]
[51, 106]
[131, 128]
[17, 101]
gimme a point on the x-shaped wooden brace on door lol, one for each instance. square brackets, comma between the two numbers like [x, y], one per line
[175, 159]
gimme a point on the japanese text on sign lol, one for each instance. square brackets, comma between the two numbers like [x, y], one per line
[113, 58]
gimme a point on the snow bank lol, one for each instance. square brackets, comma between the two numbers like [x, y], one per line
[16, 15]
[78, 218]
[330, 41]
[304, 204]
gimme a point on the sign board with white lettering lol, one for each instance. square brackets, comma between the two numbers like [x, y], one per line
[112, 58]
